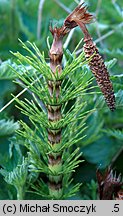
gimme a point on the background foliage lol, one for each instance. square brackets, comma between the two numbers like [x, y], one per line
[103, 144]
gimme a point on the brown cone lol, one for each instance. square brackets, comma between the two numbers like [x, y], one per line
[80, 17]
[100, 72]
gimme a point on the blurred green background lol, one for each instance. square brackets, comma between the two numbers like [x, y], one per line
[30, 20]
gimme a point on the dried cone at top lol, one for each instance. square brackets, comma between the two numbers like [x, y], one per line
[80, 17]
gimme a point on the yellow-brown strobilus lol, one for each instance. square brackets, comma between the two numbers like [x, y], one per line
[80, 17]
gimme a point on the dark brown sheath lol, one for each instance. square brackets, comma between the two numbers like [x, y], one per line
[80, 17]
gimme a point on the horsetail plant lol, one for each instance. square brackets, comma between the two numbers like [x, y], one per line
[56, 127]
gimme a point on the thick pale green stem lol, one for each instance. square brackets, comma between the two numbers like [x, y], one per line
[54, 114]
[20, 193]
